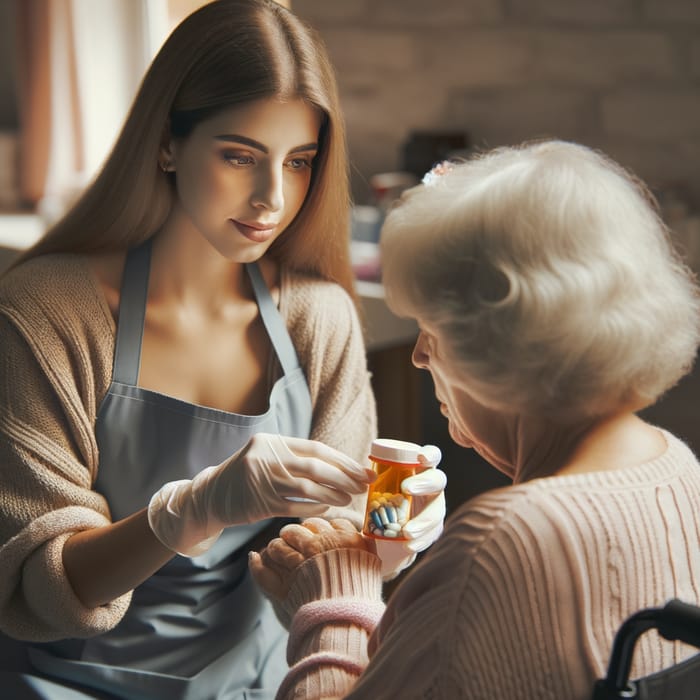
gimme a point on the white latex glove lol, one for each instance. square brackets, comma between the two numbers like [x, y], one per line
[428, 491]
[271, 476]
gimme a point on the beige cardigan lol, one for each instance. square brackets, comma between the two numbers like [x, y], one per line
[56, 348]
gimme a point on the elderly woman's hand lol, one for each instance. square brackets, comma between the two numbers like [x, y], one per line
[274, 567]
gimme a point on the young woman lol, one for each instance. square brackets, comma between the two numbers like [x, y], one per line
[552, 308]
[181, 361]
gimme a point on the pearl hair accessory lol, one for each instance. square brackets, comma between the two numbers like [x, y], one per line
[432, 176]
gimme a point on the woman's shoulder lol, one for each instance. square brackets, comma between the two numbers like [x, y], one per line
[57, 289]
[550, 509]
[52, 277]
[507, 517]
[299, 285]
[314, 301]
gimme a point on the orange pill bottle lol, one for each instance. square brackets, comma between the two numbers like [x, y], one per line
[388, 509]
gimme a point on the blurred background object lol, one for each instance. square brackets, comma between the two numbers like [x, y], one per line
[9, 169]
[365, 222]
[424, 149]
[387, 187]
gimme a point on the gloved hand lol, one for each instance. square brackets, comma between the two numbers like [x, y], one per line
[428, 491]
[271, 476]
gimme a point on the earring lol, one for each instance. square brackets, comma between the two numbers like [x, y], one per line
[166, 166]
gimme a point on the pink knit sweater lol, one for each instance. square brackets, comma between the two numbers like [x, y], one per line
[520, 598]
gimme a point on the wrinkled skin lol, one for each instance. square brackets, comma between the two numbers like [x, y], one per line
[274, 567]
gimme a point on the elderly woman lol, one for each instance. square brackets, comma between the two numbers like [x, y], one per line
[552, 308]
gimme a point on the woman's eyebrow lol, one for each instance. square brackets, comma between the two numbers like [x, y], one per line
[306, 147]
[236, 138]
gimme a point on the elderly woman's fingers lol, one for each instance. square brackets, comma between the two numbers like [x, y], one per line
[266, 578]
[343, 524]
[317, 535]
[303, 539]
[317, 524]
[321, 525]
[281, 555]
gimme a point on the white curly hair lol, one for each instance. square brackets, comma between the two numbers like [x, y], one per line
[551, 275]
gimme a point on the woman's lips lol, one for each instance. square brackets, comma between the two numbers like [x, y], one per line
[258, 233]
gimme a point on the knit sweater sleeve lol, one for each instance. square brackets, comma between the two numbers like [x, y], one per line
[55, 362]
[335, 603]
[327, 335]
[415, 651]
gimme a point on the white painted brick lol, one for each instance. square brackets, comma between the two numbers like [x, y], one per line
[576, 11]
[372, 152]
[445, 13]
[380, 120]
[516, 56]
[376, 152]
[477, 58]
[672, 164]
[364, 53]
[321, 12]
[685, 11]
[405, 105]
[653, 115]
[508, 116]
[398, 13]
[695, 58]
[602, 58]
[621, 74]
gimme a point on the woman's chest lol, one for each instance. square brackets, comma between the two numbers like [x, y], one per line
[219, 364]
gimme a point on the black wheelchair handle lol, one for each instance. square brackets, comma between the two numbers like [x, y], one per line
[680, 621]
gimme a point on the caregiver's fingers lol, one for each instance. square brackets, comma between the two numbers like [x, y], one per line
[429, 455]
[429, 481]
[431, 514]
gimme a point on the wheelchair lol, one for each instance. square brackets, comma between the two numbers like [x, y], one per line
[676, 621]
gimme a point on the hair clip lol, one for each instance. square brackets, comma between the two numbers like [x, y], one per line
[437, 171]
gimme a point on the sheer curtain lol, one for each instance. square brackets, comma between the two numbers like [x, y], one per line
[81, 63]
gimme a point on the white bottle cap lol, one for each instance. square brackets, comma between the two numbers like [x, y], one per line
[395, 451]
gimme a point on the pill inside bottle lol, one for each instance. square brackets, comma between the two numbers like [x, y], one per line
[388, 510]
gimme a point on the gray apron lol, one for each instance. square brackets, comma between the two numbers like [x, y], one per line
[198, 628]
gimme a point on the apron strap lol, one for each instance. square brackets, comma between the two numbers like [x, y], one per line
[132, 313]
[274, 324]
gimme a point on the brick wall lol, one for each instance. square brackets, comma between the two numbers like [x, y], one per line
[620, 75]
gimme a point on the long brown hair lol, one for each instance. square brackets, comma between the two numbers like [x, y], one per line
[226, 53]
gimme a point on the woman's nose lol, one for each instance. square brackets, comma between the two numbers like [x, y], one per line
[419, 357]
[269, 192]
